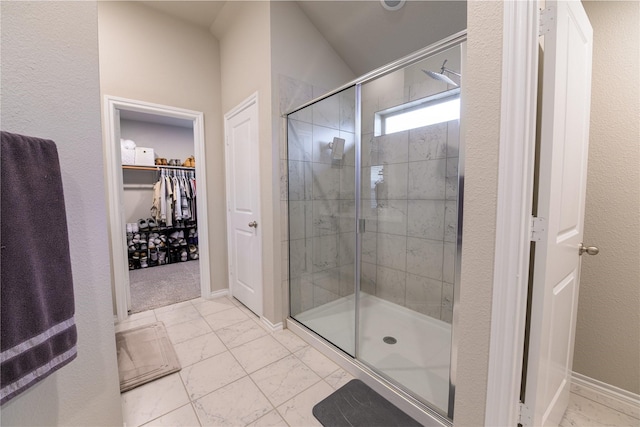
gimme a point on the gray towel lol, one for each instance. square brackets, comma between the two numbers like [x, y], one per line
[37, 327]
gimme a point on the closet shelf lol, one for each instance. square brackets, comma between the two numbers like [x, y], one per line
[156, 167]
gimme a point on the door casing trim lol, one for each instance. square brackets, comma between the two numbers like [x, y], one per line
[515, 198]
[113, 171]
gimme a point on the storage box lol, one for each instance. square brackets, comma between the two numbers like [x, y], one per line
[128, 156]
[144, 156]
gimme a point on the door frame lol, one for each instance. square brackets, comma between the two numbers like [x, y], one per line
[113, 168]
[514, 208]
[248, 102]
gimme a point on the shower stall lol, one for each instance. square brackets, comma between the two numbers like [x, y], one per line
[375, 172]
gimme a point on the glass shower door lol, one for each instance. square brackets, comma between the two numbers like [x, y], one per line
[409, 206]
[321, 197]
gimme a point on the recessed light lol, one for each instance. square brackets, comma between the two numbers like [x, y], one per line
[392, 4]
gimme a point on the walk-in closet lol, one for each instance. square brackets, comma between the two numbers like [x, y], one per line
[159, 199]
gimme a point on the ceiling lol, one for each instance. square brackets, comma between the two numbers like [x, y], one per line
[362, 32]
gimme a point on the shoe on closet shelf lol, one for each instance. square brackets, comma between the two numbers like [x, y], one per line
[183, 255]
[129, 228]
[193, 256]
[136, 255]
[153, 225]
[143, 262]
[131, 265]
[173, 239]
[134, 227]
[142, 224]
[190, 162]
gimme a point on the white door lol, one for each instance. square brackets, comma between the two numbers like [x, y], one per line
[121, 212]
[564, 141]
[243, 204]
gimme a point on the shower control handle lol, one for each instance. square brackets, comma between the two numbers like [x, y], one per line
[590, 250]
[253, 224]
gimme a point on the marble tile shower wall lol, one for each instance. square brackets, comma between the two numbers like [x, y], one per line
[408, 251]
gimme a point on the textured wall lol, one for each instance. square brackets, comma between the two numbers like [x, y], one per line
[480, 131]
[51, 89]
[149, 56]
[608, 328]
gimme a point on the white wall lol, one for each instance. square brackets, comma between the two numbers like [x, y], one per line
[50, 89]
[167, 141]
[300, 51]
[608, 327]
[150, 56]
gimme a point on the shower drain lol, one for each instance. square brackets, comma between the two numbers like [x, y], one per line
[389, 340]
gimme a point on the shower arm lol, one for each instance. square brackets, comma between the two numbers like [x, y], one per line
[444, 69]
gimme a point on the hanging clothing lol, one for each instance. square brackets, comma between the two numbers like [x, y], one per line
[155, 208]
[170, 200]
[174, 197]
[177, 199]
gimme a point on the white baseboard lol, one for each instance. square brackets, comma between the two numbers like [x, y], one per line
[606, 394]
[218, 294]
[271, 326]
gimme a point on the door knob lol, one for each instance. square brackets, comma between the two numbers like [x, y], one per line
[590, 250]
[253, 224]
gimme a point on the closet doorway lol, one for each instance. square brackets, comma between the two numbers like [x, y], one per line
[140, 248]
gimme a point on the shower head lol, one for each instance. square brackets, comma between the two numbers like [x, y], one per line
[442, 76]
[337, 148]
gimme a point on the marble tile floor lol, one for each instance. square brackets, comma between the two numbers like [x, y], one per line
[585, 411]
[235, 372]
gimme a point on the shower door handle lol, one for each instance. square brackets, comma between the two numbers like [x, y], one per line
[253, 224]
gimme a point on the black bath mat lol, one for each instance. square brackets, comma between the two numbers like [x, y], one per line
[356, 405]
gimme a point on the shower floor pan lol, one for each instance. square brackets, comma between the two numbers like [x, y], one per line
[418, 360]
